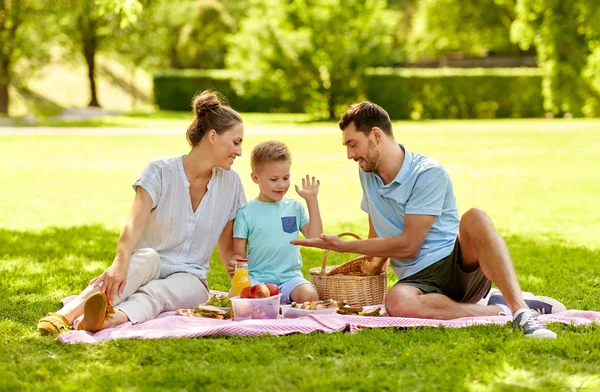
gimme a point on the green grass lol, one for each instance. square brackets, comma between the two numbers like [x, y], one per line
[66, 195]
[61, 85]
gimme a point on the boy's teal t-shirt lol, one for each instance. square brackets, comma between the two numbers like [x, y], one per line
[269, 228]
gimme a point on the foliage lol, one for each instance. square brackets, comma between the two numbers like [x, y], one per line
[472, 27]
[173, 90]
[307, 51]
[456, 93]
[25, 42]
[566, 35]
[177, 34]
[88, 28]
[202, 41]
[406, 93]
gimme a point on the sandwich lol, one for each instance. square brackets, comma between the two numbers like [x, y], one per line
[212, 312]
[315, 305]
[347, 309]
[358, 311]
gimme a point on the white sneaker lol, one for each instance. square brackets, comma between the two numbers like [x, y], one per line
[541, 304]
[531, 326]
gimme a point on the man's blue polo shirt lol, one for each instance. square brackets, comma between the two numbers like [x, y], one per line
[421, 187]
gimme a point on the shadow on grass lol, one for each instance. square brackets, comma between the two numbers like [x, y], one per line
[39, 268]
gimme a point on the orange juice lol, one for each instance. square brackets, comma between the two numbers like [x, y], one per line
[241, 278]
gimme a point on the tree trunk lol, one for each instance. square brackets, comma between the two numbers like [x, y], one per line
[331, 105]
[4, 96]
[90, 59]
[174, 58]
[89, 26]
[133, 89]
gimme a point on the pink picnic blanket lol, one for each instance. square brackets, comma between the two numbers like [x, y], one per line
[171, 325]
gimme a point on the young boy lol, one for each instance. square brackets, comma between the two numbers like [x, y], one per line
[268, 223]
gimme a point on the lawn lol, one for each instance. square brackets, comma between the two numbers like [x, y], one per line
[66, 195]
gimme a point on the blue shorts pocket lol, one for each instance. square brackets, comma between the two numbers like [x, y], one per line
[289, 224]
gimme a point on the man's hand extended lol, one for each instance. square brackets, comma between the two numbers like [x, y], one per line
[325, 241]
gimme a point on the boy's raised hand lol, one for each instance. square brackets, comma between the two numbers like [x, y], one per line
[310, 188]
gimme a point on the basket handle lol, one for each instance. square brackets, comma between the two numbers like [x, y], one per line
[346, 233]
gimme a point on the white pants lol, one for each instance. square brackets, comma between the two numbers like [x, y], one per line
[145, 296]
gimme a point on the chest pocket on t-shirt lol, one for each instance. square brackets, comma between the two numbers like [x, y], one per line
[289, 224]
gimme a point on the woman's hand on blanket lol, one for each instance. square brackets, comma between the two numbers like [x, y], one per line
[325, 241]
[112, 281]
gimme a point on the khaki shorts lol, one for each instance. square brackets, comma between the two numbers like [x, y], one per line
[447, 277]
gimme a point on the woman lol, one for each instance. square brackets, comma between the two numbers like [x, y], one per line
[182, 207]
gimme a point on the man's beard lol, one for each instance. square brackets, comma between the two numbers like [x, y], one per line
[371, 159]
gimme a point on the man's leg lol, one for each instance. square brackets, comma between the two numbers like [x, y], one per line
[482, 246]
[404, 300]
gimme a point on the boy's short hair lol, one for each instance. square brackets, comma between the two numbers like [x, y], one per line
[270, 151]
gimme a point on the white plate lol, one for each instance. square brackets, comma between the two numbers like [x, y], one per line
[289, 312]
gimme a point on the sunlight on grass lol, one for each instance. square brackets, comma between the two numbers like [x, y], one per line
[511, 379]
[513, 171]
[70, 191]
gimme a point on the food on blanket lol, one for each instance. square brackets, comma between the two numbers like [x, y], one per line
[260, 291]
[358, 311]
[315, 305]
[255, 308]
[212, 312]
[246, 292]
[216, 300]
[372, 312]
[242, 310]
[273, 289]
[347, 309]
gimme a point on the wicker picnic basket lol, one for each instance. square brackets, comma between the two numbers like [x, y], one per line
[350, 281]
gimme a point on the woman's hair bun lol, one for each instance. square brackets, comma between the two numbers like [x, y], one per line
[207, 102]
[210, 112]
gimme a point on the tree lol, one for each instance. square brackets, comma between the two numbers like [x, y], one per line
[309, 51]
[89, 25]
[473, 27]
[24, 43]
[566, 35]
[202, 40]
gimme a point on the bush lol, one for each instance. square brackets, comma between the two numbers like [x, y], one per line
[174, 89]
[442, 93]
[437, 93]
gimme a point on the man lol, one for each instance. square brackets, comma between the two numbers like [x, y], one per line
[444, 265]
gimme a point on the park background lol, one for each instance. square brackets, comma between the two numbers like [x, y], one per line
[504, 93]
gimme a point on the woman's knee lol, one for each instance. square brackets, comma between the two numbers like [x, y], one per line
[151, 260]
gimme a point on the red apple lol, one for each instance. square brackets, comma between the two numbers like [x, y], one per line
[258, 313]
[260, 291]
[242, 310]
[246, 292]
[273, 289]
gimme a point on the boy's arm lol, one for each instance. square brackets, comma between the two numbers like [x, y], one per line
[309, 192]
[314, 227]
[239, 252]
[226, 245]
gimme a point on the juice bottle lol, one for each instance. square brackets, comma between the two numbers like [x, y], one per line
[240, 279]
